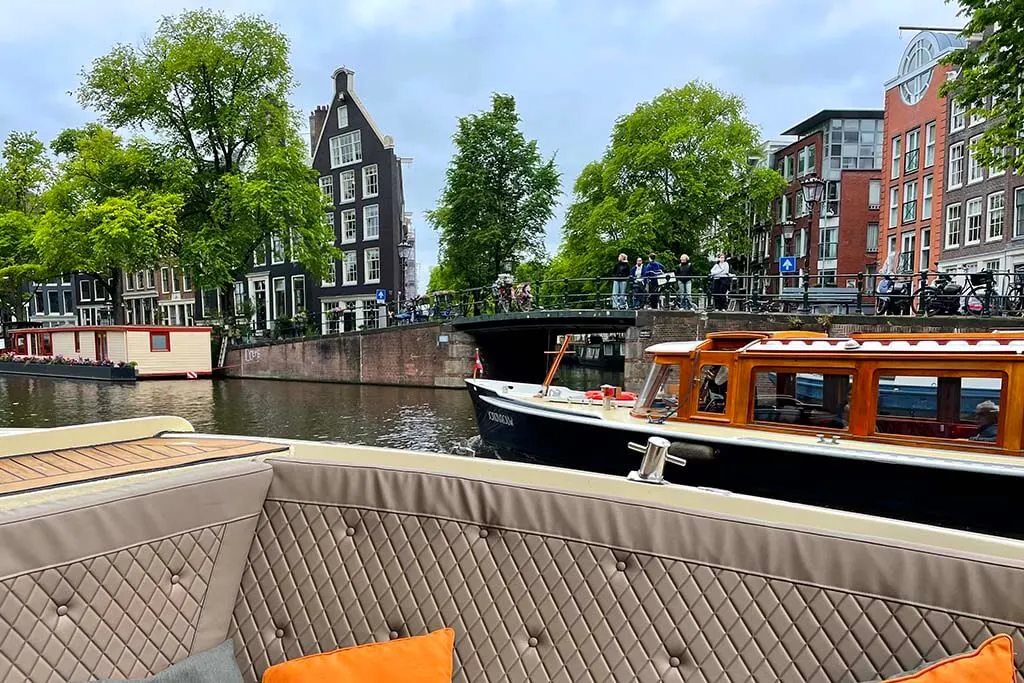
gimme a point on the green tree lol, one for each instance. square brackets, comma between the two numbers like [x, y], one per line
[24, 173]
[675, 178]
[110, 209]
[499, 194]
[214, 90]
[990, 74]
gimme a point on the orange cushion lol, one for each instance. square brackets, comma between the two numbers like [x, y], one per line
[992, 662]
[418, 659]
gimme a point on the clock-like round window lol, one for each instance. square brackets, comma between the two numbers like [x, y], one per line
[919, 54]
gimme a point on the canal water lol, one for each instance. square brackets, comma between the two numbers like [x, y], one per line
[398, 417]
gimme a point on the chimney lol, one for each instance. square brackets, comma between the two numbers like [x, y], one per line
[316, 126]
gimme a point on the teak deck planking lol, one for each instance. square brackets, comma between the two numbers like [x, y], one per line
[21, 473]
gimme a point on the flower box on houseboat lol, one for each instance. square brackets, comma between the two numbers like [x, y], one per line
[918, 426]
[155, 352]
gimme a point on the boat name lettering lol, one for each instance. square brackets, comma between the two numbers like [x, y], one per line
[500, 419]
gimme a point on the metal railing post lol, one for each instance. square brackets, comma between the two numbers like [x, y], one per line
[565, 292]
[598, 282]
[920, 299]
[805, 303]
[860, 293]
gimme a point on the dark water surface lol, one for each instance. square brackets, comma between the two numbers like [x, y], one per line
[397, 417]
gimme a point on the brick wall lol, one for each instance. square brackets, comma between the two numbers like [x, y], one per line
[409, 355]
[855, 214]
[654, 327]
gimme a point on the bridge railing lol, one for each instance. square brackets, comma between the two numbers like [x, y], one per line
[988, 293]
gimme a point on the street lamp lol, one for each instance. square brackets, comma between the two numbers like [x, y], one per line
[404, 247]
[813, 189]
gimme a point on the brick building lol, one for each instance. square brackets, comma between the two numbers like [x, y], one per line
[914, 153]
[844, 148]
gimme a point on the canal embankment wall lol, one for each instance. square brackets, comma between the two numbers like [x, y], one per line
[426, 355]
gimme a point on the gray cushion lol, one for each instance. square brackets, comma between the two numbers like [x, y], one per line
[213, 666]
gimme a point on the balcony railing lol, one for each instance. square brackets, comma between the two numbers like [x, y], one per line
[905, 263]
[910, 211]
[912, 160]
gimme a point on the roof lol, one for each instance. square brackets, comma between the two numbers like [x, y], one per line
[824, 115]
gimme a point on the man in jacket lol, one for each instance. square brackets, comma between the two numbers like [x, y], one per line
[683, 277]
[620, 277]
[651, 272]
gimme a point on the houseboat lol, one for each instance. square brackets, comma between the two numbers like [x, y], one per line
[603, 354]
[919, 427]
[113, 352]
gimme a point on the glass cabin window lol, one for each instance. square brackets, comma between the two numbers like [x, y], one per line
[804, 399]
[714, 385]
[965, 408]
[654, 395]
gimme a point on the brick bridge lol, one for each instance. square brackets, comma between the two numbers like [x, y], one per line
[512, 345]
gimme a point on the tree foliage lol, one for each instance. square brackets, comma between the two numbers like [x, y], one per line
[214, 90]
[499, 194]
[676, 177]
[111, 208]
[990, 77]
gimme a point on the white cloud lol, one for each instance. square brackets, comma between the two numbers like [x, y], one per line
[849, 16]
[417, 16]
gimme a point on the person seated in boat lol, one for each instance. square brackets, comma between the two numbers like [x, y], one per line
[842, 417]
[714, 389]
[987, 415]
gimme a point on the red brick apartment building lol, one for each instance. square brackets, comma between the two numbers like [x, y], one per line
[914, 156]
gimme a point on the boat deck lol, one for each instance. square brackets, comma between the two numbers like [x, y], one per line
[20, 473]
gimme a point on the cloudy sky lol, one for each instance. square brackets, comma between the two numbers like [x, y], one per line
[574, 66]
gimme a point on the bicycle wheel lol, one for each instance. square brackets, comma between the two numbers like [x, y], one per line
[1013, 301]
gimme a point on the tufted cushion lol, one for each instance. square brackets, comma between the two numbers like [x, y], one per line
[213, 666]
[556, 586]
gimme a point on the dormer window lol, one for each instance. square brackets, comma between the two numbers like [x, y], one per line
[342, 117]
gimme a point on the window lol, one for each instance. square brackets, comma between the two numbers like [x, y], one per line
[895, 157]
[276, 250]
[330, 221]
[349, 268]
[165, 280]
[371, 186]
[150, 279]
[85, 289]
[996, 216]
[348, 226]
[785, 216]
[874, 194]
[175, 282]
[965, 408]
[910, 202]
[239, 292]
[977, 117]
[872, 245]
[714, 384]
[371, 313]
[372, 257]
[298, 293]
[1018, 212]
[926, 198]
[280, 298]
[787, 168]
[994, 171]
[892, 245]
[956, 165]
[45, 344]
[69, 302]
[53, 299]
[346, 149]
[907, 252]
[348, 186]
[371, 222]
[828, 243]
[810, 166]
[342, 117]
[926, 249]
[803, 399]
[992, 265]
[331, 279]
[129, 282]
[917, 56]
[327, 186]
[832, 199]
[159, 341]
[974, 172]
[912, 158]
[259, 255]
[802, 242]
[140, 282]
[929, 145]
[894, 206]
[953, 223]
[801, 205]
[973, 221]
[957, 119]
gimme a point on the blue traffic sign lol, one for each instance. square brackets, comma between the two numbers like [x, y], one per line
[382, 296]
[787, 264]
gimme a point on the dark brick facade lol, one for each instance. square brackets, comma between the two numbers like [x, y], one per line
[856, 213]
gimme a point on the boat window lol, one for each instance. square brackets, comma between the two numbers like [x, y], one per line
[807, 399]
[714, 385]
[655, 395]
[939, 407]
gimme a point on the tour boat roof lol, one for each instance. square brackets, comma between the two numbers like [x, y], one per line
[1008, 342]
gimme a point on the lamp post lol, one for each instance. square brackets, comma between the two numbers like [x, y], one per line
[788, 228]
[813, 188]
[404, 247]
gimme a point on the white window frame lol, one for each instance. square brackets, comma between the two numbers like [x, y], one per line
[84, 290]
[975, 171]
[894, 206]
[295, 307]
[349, 258]
[348, 186]
[277, 255]
[175, 281]
[371, 181]
[165, 280]
[927, 195]
[275, 314]
[342, 117]
[874, 192]
[980, 215]
[957, 116]
[327, 186]
[346, 214]
[1018, 212]
[371, 211]
[991, 212]
[909, 190]
[897, 153]
[924, 249]
[346, 149]
[956, 173]
[333, 274]
[929, 144]
[366, 265]
[913, 137]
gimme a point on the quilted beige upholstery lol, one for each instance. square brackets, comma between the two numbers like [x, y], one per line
[534, 596]
[127, 581]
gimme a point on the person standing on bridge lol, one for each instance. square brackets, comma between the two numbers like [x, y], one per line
[652, 272]
[720, 283]
[684, 274]
[620, 277]
[636, 276]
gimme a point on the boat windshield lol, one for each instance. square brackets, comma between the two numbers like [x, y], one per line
[656, 395]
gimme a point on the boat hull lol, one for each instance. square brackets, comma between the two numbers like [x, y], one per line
[916, 489]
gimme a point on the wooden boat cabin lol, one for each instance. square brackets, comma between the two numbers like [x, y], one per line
[158, 352]
[959, 391]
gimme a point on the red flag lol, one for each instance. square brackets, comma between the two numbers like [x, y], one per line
[478, 367]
